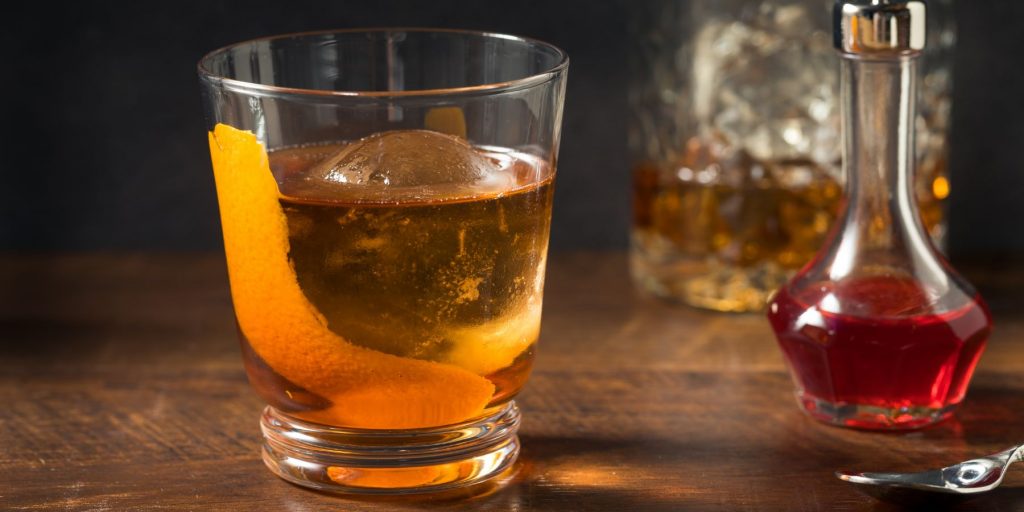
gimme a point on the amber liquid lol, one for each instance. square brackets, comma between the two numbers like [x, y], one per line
[723, 235]
[429, 279]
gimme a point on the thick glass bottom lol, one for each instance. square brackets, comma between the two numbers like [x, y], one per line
[872, 417]
[355, 461]
[709, 284]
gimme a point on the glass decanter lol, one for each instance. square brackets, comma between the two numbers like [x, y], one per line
[878, 330]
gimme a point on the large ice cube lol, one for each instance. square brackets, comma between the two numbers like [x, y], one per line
[400, 164]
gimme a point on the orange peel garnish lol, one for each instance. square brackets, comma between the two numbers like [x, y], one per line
[450, 120]
[367, 388]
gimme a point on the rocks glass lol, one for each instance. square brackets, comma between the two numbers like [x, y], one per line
[385, 198]
[734, 133]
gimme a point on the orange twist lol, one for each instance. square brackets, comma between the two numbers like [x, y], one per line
[367, 388]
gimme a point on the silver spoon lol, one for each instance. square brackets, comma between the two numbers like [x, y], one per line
[958, 481]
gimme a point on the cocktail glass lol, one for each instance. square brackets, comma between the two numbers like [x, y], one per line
[385, 199]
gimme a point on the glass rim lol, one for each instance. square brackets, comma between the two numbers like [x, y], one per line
[534, 79]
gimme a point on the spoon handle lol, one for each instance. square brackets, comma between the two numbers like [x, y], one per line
[1018, 454]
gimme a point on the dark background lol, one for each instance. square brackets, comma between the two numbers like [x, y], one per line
[103, 144]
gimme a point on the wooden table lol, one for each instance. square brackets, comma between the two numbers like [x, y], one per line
[122, 389]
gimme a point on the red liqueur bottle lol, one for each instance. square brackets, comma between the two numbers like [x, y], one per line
[878, 330]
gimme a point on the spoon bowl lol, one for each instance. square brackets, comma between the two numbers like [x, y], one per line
[956, 482]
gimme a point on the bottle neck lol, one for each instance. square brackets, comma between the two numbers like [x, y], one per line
[881, 217]
[878, 102]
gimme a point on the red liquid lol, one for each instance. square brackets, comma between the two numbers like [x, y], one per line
[888, 351]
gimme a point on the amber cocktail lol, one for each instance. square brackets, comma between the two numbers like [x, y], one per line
[386, 231]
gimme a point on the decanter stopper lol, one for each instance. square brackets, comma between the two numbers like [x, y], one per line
[871, 27]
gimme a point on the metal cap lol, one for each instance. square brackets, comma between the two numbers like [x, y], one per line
[879, 27]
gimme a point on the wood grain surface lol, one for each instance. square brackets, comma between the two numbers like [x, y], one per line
[122, 389]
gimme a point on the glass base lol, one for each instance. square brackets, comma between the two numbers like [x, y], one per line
[714, 286]
[873, 417]
[356, 461]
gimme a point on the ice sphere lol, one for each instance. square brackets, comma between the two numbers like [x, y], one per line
[403, 164]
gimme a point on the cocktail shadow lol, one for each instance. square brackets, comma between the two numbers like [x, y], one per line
[1003, 498]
